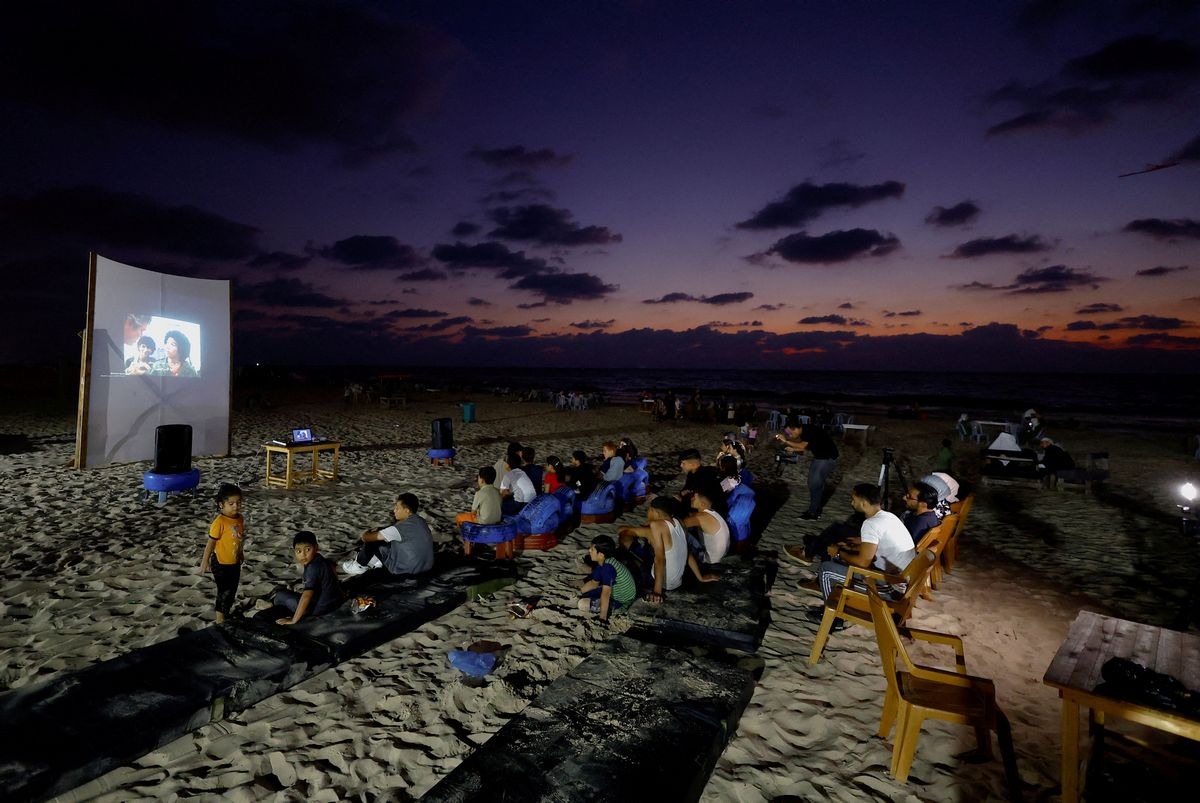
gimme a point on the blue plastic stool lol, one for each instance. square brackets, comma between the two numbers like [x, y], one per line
[163, 484]
[439, 457]
[503, 534]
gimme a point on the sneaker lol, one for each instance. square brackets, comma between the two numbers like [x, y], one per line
[353, 567]
[808, 515]
[796, 552]
[263, 604]
[374, 562]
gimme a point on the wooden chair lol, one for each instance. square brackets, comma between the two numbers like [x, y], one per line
[916, 693]
[852, 605]
[950, 552]
[935, 540]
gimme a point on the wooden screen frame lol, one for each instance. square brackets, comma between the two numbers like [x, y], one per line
[85, 368]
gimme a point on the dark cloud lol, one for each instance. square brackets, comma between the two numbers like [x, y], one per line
[479, 302]
[1159, 339]
[770, 307]
[1188, 153]
[518, 157]
[1054, 279]
[1161, 270]
[807, 201]
[1098, 308]
[729, 325]
[442, 325]
[1080, 326]
[836, 320]
[372, 252]
[1092, 89]
[96, 218]
[285, 292]
[1160, 229]
[564, 287]
[908, 313]
[465, 228]
[845, 305]
[719, 300]
[593, 324]
[272, 72]
[1154, 322]
[416, 312]
[495, 256]
[960, 214]
[279, 260]
[835, 246]
[1008, 244]
[545, 225]
[423, 275]
[505, 332]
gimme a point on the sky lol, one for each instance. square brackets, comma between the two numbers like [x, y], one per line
[845, 185]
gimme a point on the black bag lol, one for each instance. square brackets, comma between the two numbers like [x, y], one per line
[443, 434]
[173, 449]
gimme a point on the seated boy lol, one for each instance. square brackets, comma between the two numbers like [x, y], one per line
[406, 547]
[321, 594]
[610, 587]
[485, 506]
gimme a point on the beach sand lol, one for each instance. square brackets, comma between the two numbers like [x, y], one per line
[90, 572]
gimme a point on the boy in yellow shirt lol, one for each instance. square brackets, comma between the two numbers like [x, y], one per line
[224, 544]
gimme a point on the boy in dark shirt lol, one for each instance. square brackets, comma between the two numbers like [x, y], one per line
[322, 592]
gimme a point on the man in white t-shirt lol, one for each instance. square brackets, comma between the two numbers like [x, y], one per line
[885, 545]
[516, 489]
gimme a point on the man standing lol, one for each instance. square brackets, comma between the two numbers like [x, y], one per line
[814, 439]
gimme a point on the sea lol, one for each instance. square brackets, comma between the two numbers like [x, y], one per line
[1167, 401]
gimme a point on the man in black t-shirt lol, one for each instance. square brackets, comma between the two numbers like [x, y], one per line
[705, 479]
[814, 439]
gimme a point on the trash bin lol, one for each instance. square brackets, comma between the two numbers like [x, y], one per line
[468, 412]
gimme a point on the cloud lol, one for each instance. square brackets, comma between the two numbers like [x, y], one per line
[593, 324]
[1054, 279]
[836, 320]
[545, 225]
[479, 302]
[1008, 244]
[272, 72]
[719, 300]
[1156, 322]
[518, 157]
[1188, 153]
[372, 252]
[1080, 326]
[1159, 339]
[807, 201]
[1170, 230]
[1091, 90]
[497, 256]
[1098, 308]
[96, 218]
[960, 214]
[1161, 270]
[283, 292]
[442, 325]
[564, 287]
[423, 275]
[465, 228]
[498, 332]
[416, 312]
[908, 313]
[845, 305]
[279, 260]
[770, 307]
[835, 246]
[728, 325]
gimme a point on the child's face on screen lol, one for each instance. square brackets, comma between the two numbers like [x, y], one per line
[144, 353]
[231, 507]
[171, 348]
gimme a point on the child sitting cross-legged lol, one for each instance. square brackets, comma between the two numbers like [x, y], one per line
[610, 587]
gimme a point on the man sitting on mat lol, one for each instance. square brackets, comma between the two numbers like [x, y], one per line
[405, 547]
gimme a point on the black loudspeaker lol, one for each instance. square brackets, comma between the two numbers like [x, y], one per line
[173, 449]
[443, 434]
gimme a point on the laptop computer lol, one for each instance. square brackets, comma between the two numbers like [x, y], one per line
[300, 436]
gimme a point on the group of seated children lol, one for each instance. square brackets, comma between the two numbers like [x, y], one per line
[404, 547]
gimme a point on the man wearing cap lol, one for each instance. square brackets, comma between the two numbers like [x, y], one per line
[814, 439]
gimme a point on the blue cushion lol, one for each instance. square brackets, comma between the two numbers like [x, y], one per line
[602, 500]
[171, 482]
[542, 515]
[499, 533]
[440, 454]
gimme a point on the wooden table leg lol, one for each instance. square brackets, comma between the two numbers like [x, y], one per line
[268, 469]
[287, 483]
[336, 449]
[1070, 751]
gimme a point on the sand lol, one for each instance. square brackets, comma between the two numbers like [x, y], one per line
[91, 572]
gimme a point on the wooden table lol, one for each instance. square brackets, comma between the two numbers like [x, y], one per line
[1075, 672]
[291, 450]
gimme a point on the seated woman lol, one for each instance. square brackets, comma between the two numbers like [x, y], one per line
[552, 475]
[731, 476]
[664, 549]
[628, 452]
[581, 475]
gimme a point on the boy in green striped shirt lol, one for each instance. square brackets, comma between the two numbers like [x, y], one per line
[610, 587]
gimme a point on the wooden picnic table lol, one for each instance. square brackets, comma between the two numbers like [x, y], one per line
[290, 450]
[1075, 671]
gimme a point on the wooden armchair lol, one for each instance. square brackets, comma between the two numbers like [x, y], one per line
[936, 539]
[950, 552]
[916, 693]
[852, 605]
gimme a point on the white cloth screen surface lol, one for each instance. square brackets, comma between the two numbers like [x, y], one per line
[160, 355]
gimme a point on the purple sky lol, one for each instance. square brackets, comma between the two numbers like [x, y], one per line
[840, 184]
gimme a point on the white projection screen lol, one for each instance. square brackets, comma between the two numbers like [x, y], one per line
[156, 351]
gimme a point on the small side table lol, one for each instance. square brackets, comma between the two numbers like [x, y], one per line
[291, 450]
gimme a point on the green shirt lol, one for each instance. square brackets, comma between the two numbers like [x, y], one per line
[623, 587]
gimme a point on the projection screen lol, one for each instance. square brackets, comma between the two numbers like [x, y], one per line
[157, 351]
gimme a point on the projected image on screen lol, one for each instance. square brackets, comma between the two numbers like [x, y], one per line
[158, 346]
